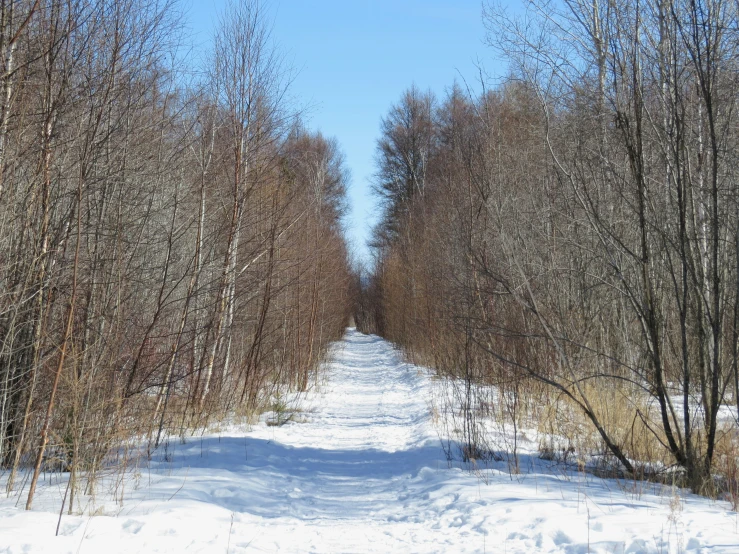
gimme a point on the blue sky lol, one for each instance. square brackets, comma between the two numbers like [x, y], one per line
[354, 58]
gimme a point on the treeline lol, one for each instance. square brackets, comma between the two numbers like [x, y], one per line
[171, 249]
[572, 236]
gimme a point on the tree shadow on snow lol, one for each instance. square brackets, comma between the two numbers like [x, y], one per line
[269, 479]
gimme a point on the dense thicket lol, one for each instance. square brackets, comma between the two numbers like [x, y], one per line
[576, 230]
[169, 253]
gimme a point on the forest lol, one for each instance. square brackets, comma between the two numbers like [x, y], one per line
[564, 244]
[171, 245]
[555, 263]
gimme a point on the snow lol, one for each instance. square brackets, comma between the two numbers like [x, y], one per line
[361, 469]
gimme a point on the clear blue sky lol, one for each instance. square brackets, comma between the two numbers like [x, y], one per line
[354, 58]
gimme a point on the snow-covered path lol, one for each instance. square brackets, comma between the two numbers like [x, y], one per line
[361, 470]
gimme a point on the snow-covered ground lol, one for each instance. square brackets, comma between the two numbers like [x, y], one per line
[361, 469]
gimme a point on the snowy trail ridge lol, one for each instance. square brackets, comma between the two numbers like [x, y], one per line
[361, 470]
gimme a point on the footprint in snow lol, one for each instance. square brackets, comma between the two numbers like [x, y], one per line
[68, 529]
[693, 544]
[560, 538]
[457, 522]
[638, 545]
[223, 493]
[132, 526]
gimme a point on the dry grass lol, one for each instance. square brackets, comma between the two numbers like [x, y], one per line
[568, 434]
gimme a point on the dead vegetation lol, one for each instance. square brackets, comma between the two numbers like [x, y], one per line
[570, 236]
[171, 248]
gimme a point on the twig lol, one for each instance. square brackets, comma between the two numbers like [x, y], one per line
[61, 510]
[182, 485]
[230, 530]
